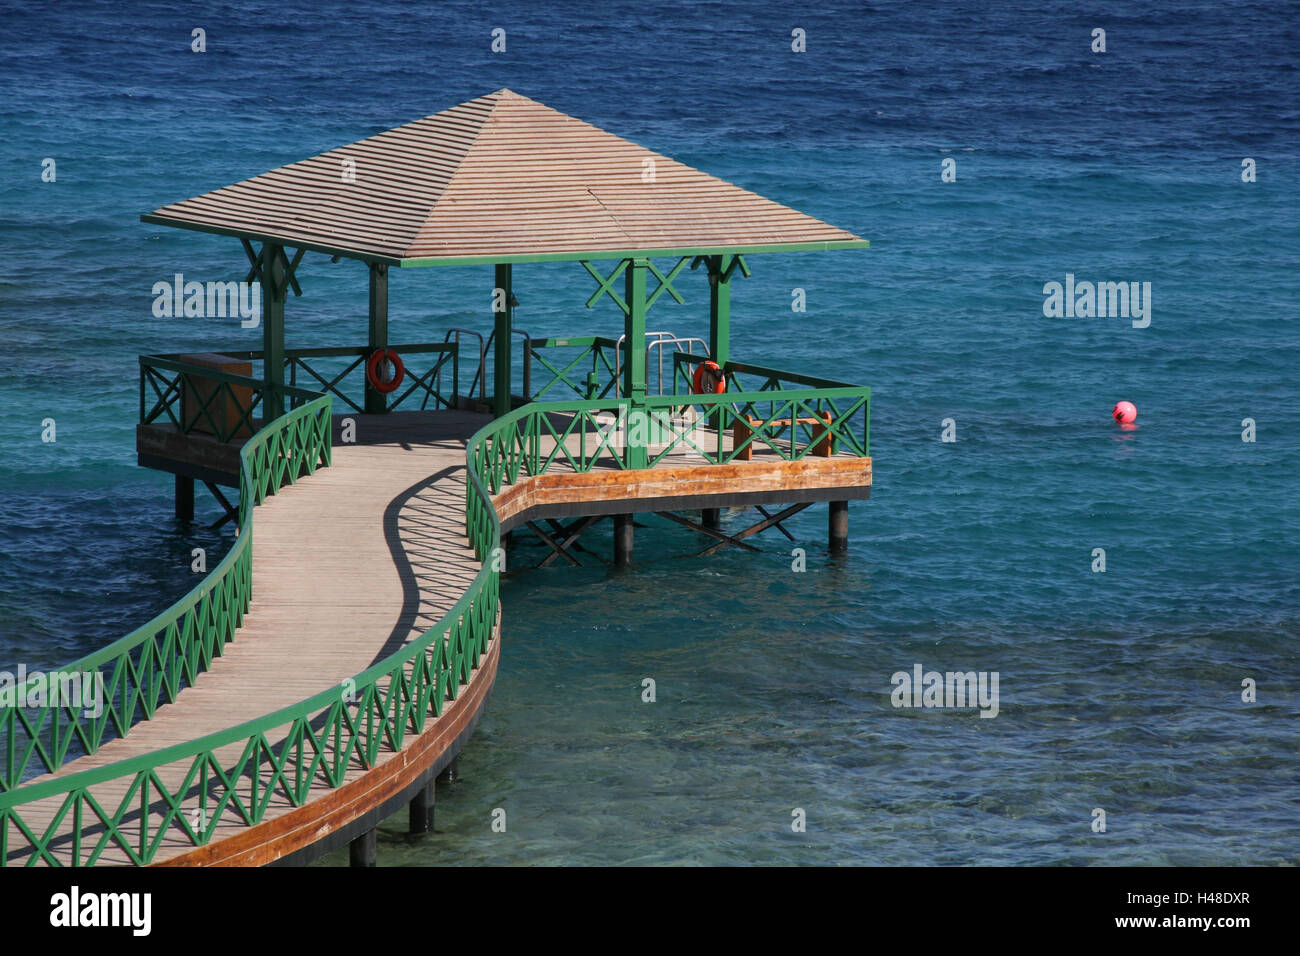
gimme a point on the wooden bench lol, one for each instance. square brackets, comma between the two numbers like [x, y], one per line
[745, 427]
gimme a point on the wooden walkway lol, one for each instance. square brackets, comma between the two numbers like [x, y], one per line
[352, 563]
[349, 564]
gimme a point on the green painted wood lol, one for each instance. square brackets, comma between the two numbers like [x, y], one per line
[376, 401]
[634, 351]
[273, 296]
[324, 735]
[605, 284]
[597, 382]
[720, 309]
[720, 268]
[665, 282]
[162, 379]
[503, 323]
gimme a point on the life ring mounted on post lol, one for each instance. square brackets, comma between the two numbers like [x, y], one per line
[709, 378]
[377, 358]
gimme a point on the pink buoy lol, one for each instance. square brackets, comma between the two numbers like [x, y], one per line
[1125, 413]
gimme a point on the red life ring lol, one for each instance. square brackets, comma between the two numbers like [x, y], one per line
[372, 371]
[717, 378]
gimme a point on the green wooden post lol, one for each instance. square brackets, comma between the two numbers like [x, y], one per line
[719, 322]
[634, 387]
[421, 806]
[502, 313]
[274, 289]
[377, 402]
[364, 849]
[838, 526]
[624, 535]
[719, 310]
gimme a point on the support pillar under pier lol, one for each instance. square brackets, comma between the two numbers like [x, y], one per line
[421, 809]
[184, 498]
[837, 534]
[624, 532]
[711, 517]
[364, 850]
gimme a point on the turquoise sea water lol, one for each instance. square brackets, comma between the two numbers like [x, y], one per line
[1119, 691]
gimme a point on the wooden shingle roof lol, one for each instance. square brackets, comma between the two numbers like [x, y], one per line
[502, 178]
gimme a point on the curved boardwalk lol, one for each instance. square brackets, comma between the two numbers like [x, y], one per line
[348, 565]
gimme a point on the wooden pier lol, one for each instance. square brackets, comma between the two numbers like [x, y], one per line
[337, 659]
[348, 568]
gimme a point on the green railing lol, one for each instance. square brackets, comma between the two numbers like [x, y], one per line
[426, 385]
[150, 666]
[791, 423]
[235, 774]
[197, 398]
[587, 375]
[193, 397]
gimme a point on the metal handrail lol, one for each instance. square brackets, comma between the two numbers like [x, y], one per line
[479, 376]
[661, 338]
[678, 342]
[528, 359]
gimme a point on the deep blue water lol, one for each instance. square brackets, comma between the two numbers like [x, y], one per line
[1119, 690]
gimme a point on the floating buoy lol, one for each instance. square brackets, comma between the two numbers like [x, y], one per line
[1125, 413]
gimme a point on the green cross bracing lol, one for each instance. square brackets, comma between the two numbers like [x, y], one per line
[665, 282]
[606, 283]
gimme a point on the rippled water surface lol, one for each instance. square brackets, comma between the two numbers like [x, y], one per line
[1118, 690]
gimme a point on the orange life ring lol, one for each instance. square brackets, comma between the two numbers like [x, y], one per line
[718, 378]
[372, 371]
